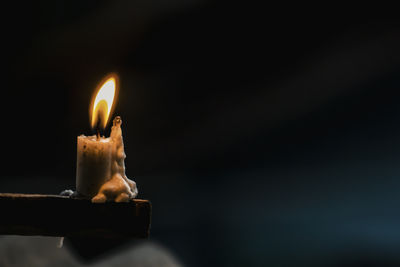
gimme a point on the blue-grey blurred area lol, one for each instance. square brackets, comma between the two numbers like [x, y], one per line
[17, 251]
[263, 135]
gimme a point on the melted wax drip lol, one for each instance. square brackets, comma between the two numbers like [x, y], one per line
[118, 188]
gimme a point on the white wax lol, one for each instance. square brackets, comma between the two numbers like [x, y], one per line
[93, 164]
[100, 171]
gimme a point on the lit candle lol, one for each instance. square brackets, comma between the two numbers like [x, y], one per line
[100, 172]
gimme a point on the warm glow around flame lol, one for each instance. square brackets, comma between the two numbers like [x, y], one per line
[103, 102]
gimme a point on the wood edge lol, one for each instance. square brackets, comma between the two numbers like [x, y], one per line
[33, 196]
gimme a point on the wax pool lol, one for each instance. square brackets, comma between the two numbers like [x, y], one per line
[100, 172]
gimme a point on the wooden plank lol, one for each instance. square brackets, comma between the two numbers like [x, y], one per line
[53, 215]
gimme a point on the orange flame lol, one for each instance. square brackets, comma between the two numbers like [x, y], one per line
[103, 101]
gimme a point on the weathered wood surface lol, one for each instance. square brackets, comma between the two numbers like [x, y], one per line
[53, 215]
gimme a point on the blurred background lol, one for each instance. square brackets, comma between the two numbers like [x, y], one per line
[262, 136]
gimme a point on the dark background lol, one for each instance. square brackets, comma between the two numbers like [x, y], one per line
[262, 136]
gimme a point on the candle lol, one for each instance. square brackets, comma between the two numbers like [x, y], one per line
[93, 164]
[100, 172]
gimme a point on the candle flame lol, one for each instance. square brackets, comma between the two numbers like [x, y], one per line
[103, 102]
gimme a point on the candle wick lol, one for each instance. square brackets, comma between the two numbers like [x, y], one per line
[97, 135]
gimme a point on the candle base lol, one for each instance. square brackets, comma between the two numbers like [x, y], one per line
[116, 189]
